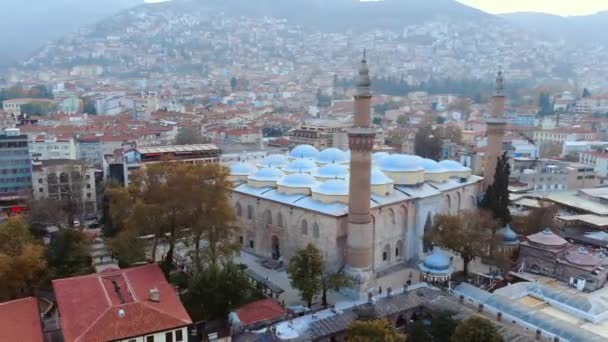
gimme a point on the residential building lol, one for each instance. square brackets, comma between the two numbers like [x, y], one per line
[15, 164]
[562, 134]
[90, 150]
[522, 119]
[61, 179]
[131, 305]
[20, 321]
[52, 147]
[546, 175]
[13, 106]
[7, 120]
[576, 147]
[598, 160]
[324, 133]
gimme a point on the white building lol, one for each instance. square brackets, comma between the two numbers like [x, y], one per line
[51, 147]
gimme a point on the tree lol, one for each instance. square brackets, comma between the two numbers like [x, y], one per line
[379, 330]
[128, 248]
[305, 269]
[190, 135]
[214, 291]
[402, 120]
[88, 106]
[69, 254]
[419, 333]
[496, 197]
[462, 106]
[331, 280]
[452, 133]
[476, 329]
[322, 99]
[586, 93]
[443, 326]
[377, 121]
[468, 233]
[37, 108]
[43, 213]
[535, 220]
[22, 264]
[544, 104]
[427, 143]
[234, 82]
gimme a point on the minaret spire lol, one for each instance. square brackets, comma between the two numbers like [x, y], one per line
[500, 82]
[495, 130]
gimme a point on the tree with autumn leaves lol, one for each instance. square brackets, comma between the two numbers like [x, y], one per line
[380, 330]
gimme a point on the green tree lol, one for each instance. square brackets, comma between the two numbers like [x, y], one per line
[468, 233]
[496, 197]
[476, 329]
[214, 291]
[380, 330]
[402, 120]
[443, 326]
[37, 108]
[305, 270]
[322, 99]
[128, 248]
[377, 121]
[190, 135]
[330, 280]
[22, 263]
[69, 254]
[89, 106]
[427, 143]
[419, 333]
[234, 82]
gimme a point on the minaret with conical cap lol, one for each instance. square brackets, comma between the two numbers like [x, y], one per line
[495, 131]
[360, 238]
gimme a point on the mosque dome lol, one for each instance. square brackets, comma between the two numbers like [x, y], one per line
[332, 187]
[547, 238]
[332, 155]
[274, 160]
[432, 166]
[242, 169]
[297, 180]
[509, 237]
[453, 166]
[437, 266]
[268, 174]
[300, 165]
[331, 171]
[379, 155]
[399, 163]
[304, 151]
[379, 178]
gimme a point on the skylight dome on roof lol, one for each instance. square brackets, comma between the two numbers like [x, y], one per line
[379, 155]
[332, 187]
[379, 178]
[304, 151]
[431, 166]
[452, 165]
[267, 175]
[332, 155]
[297, 180]
[331, 171]
[300, 165]
[274, 160]
[242, 169]
[509, 237]
[399, 163]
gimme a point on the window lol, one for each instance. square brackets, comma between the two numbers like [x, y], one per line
[40, 190]
[250, 212]
[239, 210]
[169, 336]
[149, 338]
[179, 336]
[315, 230]
[241, 240]
[268, 217]
[280, 220]
[88, 186]
[384, 256]
[251, 244]
[132, 340]
[40, 180]
[304, 227]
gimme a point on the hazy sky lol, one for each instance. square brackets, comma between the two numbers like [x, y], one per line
[560, 7]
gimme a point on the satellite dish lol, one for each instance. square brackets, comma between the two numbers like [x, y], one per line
[121, 313]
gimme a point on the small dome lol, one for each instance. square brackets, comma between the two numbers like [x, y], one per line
[438, 262]
[268, 174]
[379, 155]
[274, 160]
[332, 155]
[300, 165]
[547, 238]
[452, 165]
[304, 151]
[297, 180]
[432, 166]
[242, 169]
[379, 178]
[509, 237]
[331, 171]
[399, 163]
[332, 187]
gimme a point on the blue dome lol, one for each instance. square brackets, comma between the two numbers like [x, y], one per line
[301, 165]
[332, 187]
[274, 160]
[508, 235]
[332, 155]
[431, 166]
[242, 169]
[379, 178]
[304, 151]
[452, 165]
[267, 175]
[379, 155]
[331, 171]
[297, 180]
[399, 163]
[437, 263]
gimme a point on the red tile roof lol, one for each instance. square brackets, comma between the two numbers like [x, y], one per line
[20, 321]
[260, 311]
[89, 305]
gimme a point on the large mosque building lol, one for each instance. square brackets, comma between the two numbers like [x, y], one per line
[367, 212]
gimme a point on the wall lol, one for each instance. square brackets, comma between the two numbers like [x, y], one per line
[160, 337]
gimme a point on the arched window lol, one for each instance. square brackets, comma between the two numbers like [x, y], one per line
[386, 253]
[51, 178]
[239, 210]
[268, 217]
[315, 230]
[398, 250]
[391, 216]
[280, 220]
[64, 178]
[304, 227]
[250, 212]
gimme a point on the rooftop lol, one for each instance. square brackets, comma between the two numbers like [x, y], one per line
[20, 320]
[177, 148]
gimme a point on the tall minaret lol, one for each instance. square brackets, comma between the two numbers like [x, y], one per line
[495, 131]
[360, 238]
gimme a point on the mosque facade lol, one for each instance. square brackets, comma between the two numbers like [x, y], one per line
[366, 212]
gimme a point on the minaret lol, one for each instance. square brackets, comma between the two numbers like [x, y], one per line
[360, 237]
[495, 132]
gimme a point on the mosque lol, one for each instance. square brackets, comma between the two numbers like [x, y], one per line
[367, 212]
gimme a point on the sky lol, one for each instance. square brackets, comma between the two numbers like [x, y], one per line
[559, 7]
